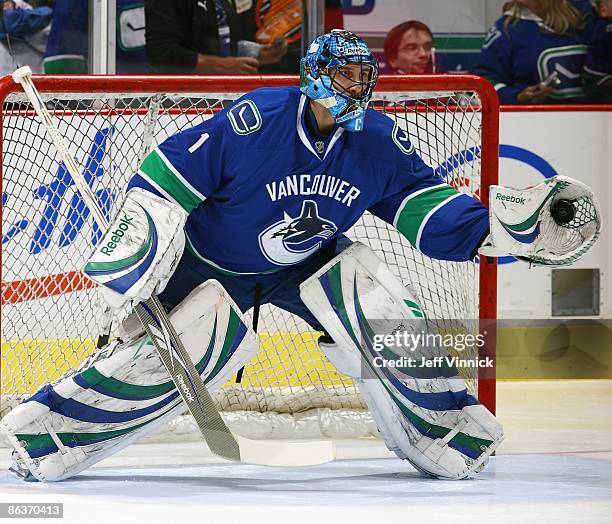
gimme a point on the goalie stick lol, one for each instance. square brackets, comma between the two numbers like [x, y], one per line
[151, 313]
[171, 350]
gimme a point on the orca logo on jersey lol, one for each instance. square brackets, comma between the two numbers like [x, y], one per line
[292, 240]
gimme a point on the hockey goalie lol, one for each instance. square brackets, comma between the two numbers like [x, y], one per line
[255, 201]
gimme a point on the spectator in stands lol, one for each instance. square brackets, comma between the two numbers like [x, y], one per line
[24, 30]
[409, 49]
[206, 36]
[597, 72]
[535, 52]
[67, 49]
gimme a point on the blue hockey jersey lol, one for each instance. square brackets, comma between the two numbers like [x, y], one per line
[526, 52]
[262, 194]
[67, 48]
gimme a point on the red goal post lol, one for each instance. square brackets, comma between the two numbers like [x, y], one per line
[447, 101]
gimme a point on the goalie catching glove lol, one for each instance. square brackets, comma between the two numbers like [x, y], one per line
[553, 223]
[141, 249]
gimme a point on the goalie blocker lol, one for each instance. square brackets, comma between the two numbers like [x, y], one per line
[140, 251]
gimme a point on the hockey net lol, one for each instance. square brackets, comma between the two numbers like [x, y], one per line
[51, 321]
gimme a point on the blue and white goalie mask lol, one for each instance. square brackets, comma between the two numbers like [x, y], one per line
[340, 72]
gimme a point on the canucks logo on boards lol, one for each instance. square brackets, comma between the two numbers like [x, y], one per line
[292, 240]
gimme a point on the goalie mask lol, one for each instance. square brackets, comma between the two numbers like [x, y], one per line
[340, 72]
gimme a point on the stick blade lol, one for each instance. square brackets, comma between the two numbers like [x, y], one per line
[286, 452]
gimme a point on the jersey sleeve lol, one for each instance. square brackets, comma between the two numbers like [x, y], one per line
[186, 168]
[437, 220]
[19, 23]
[495, 63]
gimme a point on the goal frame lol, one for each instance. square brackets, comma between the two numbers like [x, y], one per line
[240, 84]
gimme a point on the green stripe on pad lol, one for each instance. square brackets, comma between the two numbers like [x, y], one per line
[44, 440]
[431, 430]
[232, 328]
[154, 167]
[335, 282]
[416, 209]
[93, 377]
[533, 218]
[434, 431]
[124, 263]
[414, 308]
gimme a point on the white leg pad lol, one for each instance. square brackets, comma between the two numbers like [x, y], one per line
[432, 456]
[432, 422]
[124, 392]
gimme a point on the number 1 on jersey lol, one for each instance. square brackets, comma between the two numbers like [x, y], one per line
[200, 141]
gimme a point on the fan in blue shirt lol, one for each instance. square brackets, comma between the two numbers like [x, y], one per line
[536, 51]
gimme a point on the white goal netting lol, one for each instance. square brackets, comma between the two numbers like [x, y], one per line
[50, 319]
